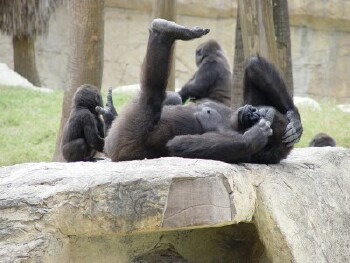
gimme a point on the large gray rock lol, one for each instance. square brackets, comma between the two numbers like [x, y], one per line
[182, 210]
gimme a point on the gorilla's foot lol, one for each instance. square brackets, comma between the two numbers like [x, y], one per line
[177, 31]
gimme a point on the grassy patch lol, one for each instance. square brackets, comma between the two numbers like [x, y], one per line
[29, 121]
[329, 120]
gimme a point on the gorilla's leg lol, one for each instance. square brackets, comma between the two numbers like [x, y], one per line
[156, 65]
[229, 147]
[77, 150]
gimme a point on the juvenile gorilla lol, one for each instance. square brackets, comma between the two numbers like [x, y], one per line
[149, 129]
[83, 133]
[213, 78]
[322, 140]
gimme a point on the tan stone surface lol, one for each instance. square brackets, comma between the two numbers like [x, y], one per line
[114, 212]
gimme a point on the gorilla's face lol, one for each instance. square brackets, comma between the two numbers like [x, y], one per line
[205, 49]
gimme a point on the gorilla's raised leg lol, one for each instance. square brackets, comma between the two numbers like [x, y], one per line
[156, 65]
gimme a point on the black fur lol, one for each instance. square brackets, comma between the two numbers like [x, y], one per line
[149, 129]
[321, 140]
[83, 133]
[213, 78]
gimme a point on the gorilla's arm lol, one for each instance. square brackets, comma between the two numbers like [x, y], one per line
[199, 85]
[109, 113]
[228, 147]
[263, 85]
[91, 133]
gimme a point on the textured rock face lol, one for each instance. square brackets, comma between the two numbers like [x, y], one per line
[179, 209]
[320, 33]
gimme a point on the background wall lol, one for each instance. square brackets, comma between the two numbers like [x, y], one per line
[320, 32]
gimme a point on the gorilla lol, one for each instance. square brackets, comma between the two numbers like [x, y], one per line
[262, 131]
[213, 78]
[83, 133]
[321, 140]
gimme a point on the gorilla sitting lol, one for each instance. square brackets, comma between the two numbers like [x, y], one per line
[322, 140]
[147, 128]
[213, 78]
[83, 133]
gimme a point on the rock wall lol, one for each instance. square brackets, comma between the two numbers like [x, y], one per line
[320, 35]
[178, 210]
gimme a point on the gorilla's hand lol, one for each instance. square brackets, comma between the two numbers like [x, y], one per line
[258, 135]
[248, 116]
[109, 113]
[294, 129]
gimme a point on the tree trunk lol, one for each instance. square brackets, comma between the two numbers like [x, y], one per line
[238, 67]
[258, 33]
[24, 58]
[85, 63]
[263, 29]
[282, 31]
[166, 9]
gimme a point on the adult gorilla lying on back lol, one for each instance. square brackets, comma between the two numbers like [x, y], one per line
[149, 129]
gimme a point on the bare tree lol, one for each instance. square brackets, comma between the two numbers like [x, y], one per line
[24, 20]
[264, 29]
[282, 31]
[238, 67]
[166, 9]
[85, 63]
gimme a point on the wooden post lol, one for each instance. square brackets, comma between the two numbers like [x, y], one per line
[258, 32]
[166, 9]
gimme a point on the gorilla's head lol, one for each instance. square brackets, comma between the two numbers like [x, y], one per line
[210, 47]
[87, 96]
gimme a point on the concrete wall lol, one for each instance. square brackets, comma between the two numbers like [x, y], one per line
[320, 43]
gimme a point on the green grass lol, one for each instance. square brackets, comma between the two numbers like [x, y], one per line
[329, 120]
[28, 124]
[29, 121]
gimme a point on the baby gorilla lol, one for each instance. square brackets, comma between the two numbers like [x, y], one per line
[83, 133]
